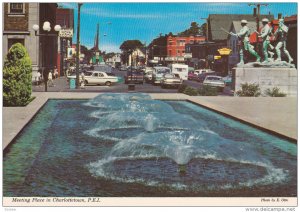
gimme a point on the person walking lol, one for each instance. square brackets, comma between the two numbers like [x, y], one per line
[50, 79]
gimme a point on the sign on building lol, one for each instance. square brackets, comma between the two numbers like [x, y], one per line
[66, 33]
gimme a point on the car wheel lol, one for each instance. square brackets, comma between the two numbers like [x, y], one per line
[108, 83]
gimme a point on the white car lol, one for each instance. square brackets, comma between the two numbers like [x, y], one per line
[214, 81]
[99, 78]
[171, 80]
[95, 77]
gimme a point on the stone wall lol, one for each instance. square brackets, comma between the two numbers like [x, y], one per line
[283, 78]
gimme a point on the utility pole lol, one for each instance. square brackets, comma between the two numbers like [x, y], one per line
[257, 14]
[206, 39]
[78, 46]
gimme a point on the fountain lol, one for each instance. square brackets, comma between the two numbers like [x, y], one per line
[147, 130]
[132, 145]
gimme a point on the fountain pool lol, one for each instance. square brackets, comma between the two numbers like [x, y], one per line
[131, 145]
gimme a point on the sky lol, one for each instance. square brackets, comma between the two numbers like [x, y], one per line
[145, 21]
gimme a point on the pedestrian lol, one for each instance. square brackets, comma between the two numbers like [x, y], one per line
[50, 79]
[82, 79]
[38, 75]
[55, 72]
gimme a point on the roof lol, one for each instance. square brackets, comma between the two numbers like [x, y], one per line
[237, 26]
[216, 21]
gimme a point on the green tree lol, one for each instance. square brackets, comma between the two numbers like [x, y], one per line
[128, 46]
[193, 30]
[17, 77]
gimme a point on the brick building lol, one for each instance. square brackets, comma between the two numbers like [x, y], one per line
[17, 28]
[176, 47]
[64, 18]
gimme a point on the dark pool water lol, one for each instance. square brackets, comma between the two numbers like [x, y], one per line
[128, 145]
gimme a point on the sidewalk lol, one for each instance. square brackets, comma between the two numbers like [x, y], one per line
[60, 85]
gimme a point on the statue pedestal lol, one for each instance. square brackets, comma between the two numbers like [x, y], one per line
[284, 78]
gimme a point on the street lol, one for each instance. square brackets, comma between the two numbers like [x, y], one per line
[61, 85]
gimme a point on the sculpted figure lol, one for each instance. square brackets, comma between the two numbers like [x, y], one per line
[265, 35]
[281, 34]
[244, 36]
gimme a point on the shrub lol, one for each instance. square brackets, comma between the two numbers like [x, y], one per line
[249, 90]
[190, 91]
[17, 77]
[274, 92]
[181, 88]
[208, 91]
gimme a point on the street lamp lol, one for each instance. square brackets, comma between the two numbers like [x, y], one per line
[47, 29]
[78, 46]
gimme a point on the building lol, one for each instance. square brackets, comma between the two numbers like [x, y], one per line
[137, 57]
[114, 61]
[176, 47]
[171, 48]
[64, 18]
[19, 19]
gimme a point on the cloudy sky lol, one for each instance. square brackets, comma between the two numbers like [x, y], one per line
[145, 21]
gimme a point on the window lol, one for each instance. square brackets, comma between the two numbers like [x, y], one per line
[170, 52]
[101, 75]
[14, 41]
[16, 8]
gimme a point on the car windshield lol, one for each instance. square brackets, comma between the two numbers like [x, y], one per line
[163, 71]
[213, 78]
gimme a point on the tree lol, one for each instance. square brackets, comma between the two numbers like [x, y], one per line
[109, 55]
[193, 30]
[203, 29]
[88, 53]
[128, 47]
[17, 77]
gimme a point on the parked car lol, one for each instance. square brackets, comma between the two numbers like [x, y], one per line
[134, 77]
[123, 68]
[192, 76]
[204, 74]
[99, 78]
[171, 80]
[158, 74]
[214, 81]
[148, 77]
[227, 79]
